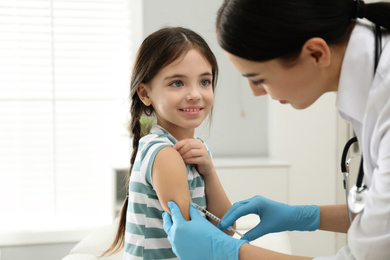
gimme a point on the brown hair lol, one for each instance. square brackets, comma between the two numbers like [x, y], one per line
[157, 51]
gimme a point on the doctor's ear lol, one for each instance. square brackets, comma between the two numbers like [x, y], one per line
[143, 93]
[318, 51]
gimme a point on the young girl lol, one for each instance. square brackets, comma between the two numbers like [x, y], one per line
[173, 79]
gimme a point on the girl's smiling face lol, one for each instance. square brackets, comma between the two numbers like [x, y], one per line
[181, 94]
[299, 85]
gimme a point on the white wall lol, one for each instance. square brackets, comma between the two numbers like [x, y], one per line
[309, 140]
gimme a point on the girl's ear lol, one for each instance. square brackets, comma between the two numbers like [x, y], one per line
[318, 51]
[143, 94]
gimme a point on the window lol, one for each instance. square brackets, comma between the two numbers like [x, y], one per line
[64, 80]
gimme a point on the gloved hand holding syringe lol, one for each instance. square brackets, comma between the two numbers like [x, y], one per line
[215, 218]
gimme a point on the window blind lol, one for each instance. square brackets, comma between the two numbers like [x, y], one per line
[64, 79]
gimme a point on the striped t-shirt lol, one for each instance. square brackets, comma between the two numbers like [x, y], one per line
[145, 237]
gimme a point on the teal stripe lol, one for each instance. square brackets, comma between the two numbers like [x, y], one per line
[139, 187]
[153, 196]
[136, 208]
[200, 201]
[141, 145]
[136, 166]
[144, 152]
[167, 135]
[151, 145]
[139, 208]
[135, 229]
[196, 183]
[154, 213]
[161, 253]
[134, 250]
[155, 233]
[189, 167]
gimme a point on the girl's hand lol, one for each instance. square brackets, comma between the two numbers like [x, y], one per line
[193, 151]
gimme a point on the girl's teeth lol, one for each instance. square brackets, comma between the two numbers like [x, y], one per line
[190, 110]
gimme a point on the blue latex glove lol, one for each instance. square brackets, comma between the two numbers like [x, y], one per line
[198, 238]
[274, 217]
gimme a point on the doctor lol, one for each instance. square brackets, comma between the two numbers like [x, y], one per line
[295, 51]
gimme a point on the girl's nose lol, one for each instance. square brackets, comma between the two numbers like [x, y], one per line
[193, 93]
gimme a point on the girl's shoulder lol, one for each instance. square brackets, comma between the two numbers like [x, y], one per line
[156, 137]
[157, 132]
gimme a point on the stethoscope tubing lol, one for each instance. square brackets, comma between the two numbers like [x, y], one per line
[345, 171]
[345, 165]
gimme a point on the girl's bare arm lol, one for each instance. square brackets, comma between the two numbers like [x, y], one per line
[169, 177]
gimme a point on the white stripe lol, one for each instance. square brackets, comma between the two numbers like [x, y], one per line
[152, 243]
[192, 174]
[157, 243]
[134, 239]
[154, 204]
[144, 166]
[154, 223]
[137, 176]
[139, 219]
[190, 177]
[127, 256]
[136, 197]
[147, 157]
[197, 192]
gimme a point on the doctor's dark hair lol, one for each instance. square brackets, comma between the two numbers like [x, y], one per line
[158, 50]
[261, 30]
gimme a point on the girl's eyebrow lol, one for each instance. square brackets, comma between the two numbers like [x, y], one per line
[184, 76]
[175, 76]
[206, 74]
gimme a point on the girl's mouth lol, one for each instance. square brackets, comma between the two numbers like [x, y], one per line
[190, 109]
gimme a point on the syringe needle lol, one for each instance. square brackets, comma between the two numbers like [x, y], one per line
[215, 218]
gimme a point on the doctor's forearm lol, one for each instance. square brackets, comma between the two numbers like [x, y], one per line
[250, 252]
[334, 218]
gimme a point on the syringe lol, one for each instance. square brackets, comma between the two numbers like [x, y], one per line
[215, 218]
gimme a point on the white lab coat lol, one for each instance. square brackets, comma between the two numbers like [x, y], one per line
[364, 101]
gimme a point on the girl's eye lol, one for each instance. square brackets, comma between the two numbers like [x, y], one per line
[176, 84]
[205, 82]
[257, 82]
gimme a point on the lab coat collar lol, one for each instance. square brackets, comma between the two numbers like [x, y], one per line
[356, 73]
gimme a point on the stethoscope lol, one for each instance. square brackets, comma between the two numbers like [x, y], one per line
[356, 196]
